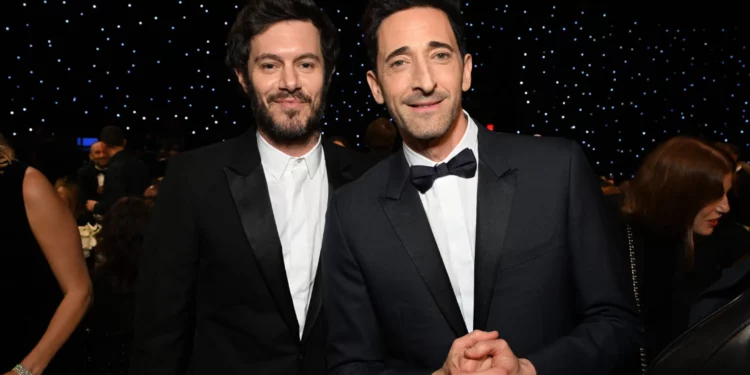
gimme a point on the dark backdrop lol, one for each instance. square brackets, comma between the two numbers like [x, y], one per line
[618, 77]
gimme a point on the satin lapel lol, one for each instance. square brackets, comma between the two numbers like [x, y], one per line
[247, 182]
[406, 213]
[338, 173]
[316, 303]
[496, 188]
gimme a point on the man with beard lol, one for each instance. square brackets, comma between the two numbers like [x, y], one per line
[230, 279]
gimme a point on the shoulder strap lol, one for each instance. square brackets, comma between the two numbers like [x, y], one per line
[636, 293]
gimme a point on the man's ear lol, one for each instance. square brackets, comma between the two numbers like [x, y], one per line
[468, 66]
[241, 79]
[374, 83]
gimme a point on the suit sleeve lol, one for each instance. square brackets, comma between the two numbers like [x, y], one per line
[165, 303]
[114, 189]
[609, 329]
[354, 343]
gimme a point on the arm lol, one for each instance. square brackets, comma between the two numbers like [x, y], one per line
[114, 189]
[166, 283]
[55, 230]
[354, 344]
[609, 330]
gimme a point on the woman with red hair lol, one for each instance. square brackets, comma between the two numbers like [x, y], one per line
[675, 202]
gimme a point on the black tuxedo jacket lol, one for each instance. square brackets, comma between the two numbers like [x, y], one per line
[212, 294]
[126, 176]
[88, 183]
[547, 277]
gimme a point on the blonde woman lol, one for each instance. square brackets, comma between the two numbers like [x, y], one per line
[44, 282]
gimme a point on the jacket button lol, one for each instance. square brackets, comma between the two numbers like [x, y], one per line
[301, 356]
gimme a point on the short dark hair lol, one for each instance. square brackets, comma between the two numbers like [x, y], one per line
[379, 10]
[258, 15]
[112, 136]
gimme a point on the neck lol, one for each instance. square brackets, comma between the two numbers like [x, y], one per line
[295, 148]
[437, 149]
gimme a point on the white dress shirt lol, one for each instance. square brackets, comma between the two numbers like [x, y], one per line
[451, 207]
[100, 178]
[299, 197]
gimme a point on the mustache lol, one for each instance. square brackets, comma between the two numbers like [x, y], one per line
[282, 95]
[421, 98]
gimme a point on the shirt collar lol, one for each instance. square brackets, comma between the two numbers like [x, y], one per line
[469, 140]
[277, 163]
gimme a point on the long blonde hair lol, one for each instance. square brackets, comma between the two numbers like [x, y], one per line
[6, 155]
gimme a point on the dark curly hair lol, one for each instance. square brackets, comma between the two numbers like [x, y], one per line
[258, 15]
[120, 242]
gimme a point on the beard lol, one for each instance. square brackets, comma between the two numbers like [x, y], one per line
[293, 128]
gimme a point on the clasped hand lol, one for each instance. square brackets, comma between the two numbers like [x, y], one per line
[483, 353]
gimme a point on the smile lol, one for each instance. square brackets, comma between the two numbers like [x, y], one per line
[425, 106]
[289, 103]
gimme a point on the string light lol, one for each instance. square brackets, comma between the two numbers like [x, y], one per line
[600, 78]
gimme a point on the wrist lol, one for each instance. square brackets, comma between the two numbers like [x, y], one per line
[33, 367]
[21, 370]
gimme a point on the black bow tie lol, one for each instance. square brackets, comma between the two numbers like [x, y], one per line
[462, 165]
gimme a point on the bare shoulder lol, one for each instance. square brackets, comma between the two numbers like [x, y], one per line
[36, 186]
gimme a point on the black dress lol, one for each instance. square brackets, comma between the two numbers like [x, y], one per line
[28, 289]
[668, 288]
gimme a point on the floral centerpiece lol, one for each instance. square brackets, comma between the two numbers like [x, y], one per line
[88, 234]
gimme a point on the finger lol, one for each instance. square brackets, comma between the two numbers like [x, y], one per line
[470, 365]
[491, 348]
[492, 371]
[461, 344]
[527, 368]
[508, 361]
[474, 337]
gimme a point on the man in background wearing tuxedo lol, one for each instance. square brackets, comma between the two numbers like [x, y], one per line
[230, 279]
[465, 230]
[91, 176]
[126, 174]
